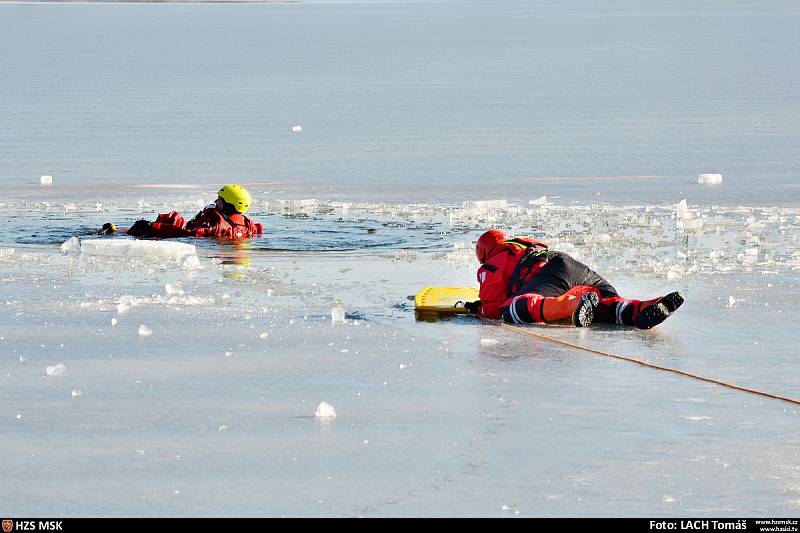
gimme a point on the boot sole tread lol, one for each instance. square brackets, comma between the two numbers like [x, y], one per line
[654, 315]
[584, 314]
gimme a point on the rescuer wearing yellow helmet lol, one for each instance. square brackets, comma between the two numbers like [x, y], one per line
[223, 219]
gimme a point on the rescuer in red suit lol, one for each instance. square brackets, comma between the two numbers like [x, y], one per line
[523, 281]
[224, 219]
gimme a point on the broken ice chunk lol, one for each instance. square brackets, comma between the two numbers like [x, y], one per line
[337, 315]
[134, 248]
[73, 244]
[55, 370]
[325, 410]
[542, 200]
[710, 179]
[682, 210]
[192, 262]
[690, 224]
[144, 331]
[174, 288]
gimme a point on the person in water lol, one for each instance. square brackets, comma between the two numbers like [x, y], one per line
[523, 281]
[224, 219]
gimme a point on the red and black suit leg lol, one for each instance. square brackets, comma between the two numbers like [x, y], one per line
[643, 314]
[553, 294]
[613, 308]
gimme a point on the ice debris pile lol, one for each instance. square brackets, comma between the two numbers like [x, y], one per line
[669, 240]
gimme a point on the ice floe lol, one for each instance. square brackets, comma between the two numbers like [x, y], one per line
[137, 248]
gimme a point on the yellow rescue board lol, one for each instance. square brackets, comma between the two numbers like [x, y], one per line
[432, 302]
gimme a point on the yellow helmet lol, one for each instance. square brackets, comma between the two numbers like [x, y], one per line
[236, 195]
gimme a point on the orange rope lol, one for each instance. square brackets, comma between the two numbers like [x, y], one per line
[525, 331]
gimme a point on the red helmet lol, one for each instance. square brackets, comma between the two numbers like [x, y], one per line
[488, 242]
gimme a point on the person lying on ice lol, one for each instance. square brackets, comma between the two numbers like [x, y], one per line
[224, 219]
[523, 281]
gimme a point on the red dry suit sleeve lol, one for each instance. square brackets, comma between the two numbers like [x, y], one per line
[173, 218]
[161, 230]
[201, 232]
[166, 226]
[245, 227]
[494, 290]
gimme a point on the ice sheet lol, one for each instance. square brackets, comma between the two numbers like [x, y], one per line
[213, 413]
[136, 248]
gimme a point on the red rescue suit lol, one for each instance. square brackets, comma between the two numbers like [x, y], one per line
[497, 278]
[210, 222]
[524, 282]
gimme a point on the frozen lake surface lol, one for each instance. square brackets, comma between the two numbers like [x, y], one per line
[409, 101]
[189, 385]
[211, 411]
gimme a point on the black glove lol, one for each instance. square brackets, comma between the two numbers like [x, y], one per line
[107, 229]
[472, 307]
[141, 228]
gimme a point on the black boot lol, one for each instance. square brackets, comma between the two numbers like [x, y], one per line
[658, 312]
[584, 313]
